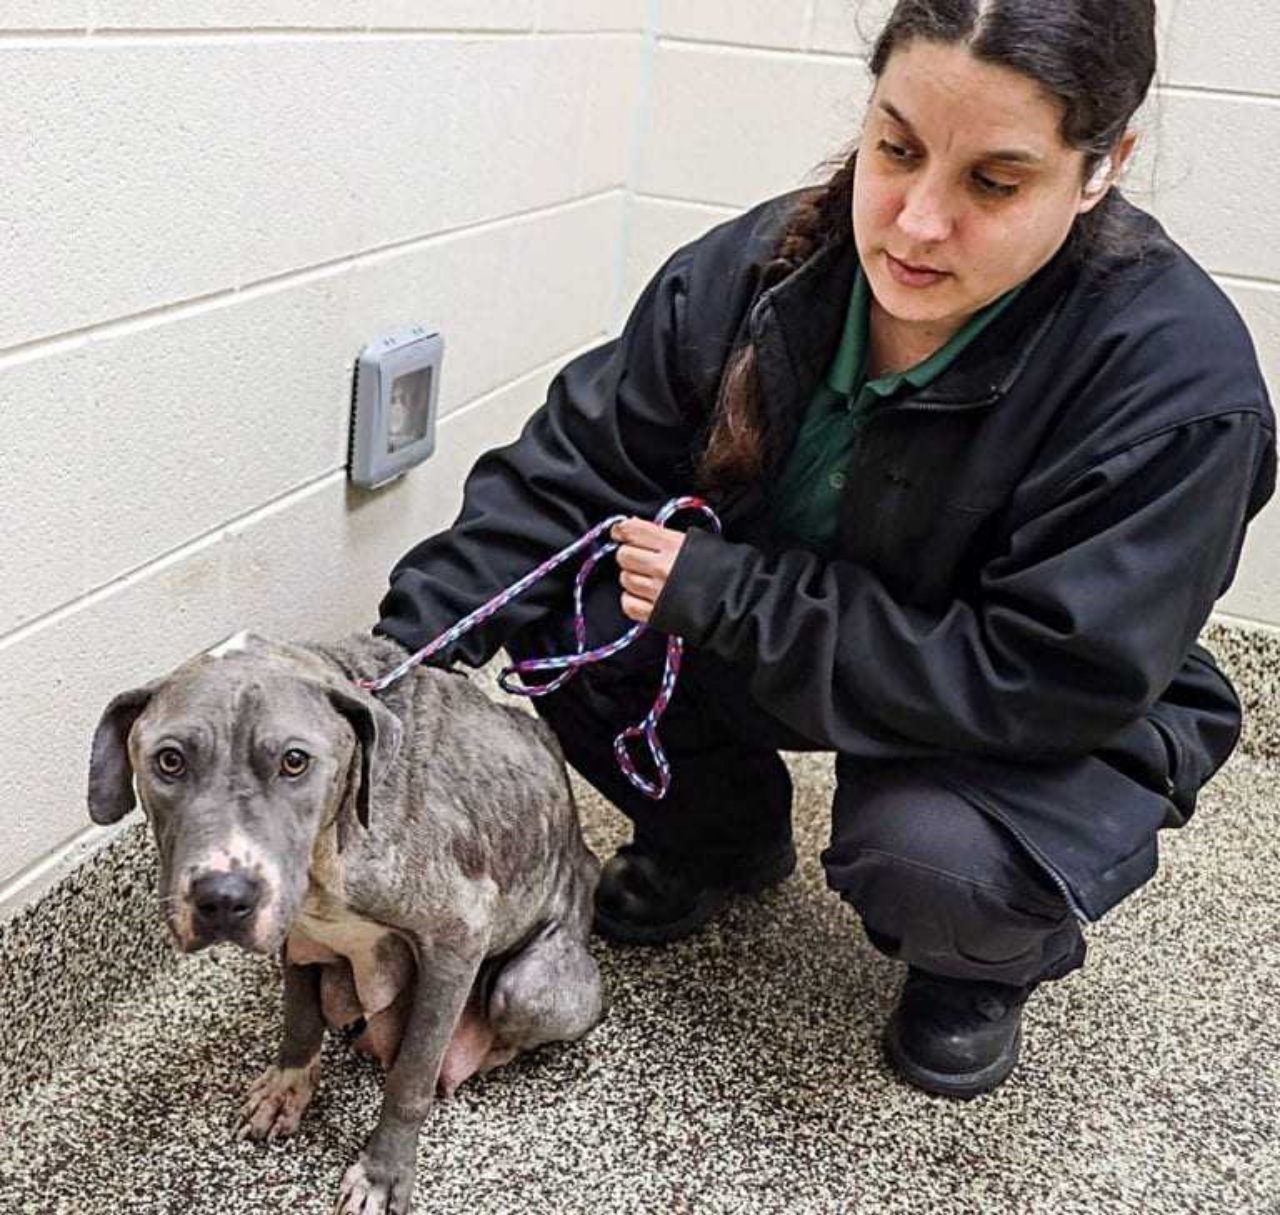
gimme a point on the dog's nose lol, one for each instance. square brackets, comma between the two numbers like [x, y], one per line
[224, 902]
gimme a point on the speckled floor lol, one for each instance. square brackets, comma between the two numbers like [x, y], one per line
[739, 1071]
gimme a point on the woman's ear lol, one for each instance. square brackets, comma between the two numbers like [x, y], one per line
[1107, 172]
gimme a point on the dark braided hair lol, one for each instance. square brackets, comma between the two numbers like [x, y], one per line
[1096, 57]
[735, 450]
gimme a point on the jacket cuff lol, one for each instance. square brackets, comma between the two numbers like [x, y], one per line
[390, 629]
[411, 640]
[690, 602]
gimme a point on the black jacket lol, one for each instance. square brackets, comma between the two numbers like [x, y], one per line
[1029, 546]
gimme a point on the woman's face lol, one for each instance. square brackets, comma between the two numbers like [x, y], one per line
[964, 187]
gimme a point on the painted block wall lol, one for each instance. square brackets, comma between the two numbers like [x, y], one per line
[205, 211]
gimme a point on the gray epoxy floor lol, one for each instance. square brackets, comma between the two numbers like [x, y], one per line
[740, 1072]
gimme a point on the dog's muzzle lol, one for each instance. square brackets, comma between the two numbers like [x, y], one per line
[223, 906]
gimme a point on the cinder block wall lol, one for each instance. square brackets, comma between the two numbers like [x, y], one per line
[203, 217]
[205, 211]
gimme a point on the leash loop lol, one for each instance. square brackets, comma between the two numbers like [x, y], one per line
[570, 664]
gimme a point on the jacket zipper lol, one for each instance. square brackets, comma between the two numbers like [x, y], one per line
[1058, 880]
[933, 407]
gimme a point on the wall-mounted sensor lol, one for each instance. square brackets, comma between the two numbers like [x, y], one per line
[393, 410]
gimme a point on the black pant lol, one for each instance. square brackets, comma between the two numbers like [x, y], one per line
[937, 883]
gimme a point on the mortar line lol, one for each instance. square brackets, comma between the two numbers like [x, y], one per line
[287, 279]
[247, 518]
[122, 36]
[1247, 280]
[635, 160]
[764, 52]
[1216, 93]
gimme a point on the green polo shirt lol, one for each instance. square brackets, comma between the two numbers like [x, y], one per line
[806, 511]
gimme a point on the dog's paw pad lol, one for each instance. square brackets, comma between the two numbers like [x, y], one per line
[367, 1191]
[276, 1102]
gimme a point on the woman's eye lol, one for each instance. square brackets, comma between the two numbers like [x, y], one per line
[894, 151]
[294, 762]
[995, 188]
[170, 762]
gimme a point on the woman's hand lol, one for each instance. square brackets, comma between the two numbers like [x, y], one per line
[645, 557]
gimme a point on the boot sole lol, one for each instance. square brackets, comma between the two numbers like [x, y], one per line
[709, 902]
[951, 1084]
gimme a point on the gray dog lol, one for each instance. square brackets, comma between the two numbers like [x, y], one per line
[417, 855]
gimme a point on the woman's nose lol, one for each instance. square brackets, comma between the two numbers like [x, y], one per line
[925, 217]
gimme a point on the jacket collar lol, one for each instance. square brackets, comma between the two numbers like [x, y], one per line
[800, 319]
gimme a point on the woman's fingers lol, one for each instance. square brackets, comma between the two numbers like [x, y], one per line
[641, 584]
[640, 533]
[636, 609]
[646, 554]
[638, 560]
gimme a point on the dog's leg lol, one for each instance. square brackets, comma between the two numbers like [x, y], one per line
[279, 1097]
[473, 1047]
[549, 992]
[381, 1180]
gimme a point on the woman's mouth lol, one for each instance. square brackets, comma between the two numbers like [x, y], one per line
[913, 276]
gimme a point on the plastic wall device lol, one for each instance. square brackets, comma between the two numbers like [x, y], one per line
[393, 408]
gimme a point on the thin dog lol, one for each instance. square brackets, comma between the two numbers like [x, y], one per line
[416, 858]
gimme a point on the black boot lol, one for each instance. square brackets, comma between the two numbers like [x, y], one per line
[647, 898]
[959, 1037]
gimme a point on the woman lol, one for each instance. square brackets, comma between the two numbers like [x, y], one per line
[985, 443]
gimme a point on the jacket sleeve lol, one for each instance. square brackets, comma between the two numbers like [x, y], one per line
[610, 439]
[1077, 626]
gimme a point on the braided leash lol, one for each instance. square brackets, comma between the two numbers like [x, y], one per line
[570, 663]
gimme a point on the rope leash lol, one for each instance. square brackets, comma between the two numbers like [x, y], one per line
[571, 663]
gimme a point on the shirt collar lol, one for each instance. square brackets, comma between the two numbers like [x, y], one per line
[847, 373]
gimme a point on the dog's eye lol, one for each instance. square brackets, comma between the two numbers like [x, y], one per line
[171, 762]
[294, 762]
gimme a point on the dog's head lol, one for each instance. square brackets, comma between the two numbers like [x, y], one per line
[241, 757]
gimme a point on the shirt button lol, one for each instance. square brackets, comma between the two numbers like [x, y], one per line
[836, 480]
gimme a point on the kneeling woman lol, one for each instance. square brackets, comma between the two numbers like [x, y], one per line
[985, 443]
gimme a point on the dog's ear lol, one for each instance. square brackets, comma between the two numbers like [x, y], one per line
[378, 731]
[110, 772]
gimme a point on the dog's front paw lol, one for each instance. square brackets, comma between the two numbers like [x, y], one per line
[370, 1187]
[277, 1100]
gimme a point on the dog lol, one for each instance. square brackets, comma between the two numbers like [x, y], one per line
[416, 858]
